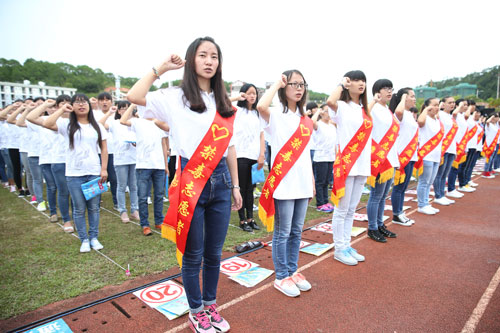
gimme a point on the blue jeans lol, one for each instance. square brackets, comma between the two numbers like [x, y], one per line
[322, 171]
[125, 175]
[58, 171]
[488, 167]
[8, 163]
[28, 178]
[3, 174]
[288, 222]
[424, 182]
[376, 203]
[398, 191]
[146, 178]
[206, 237]
[51, 187]
[471, 164]
[496, 162]
[36, 173]
[442, 174]
[80, 204]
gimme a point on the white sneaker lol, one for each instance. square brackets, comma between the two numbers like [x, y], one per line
[85, 246]
[455, 194]
[301, 282]
[448, 200]
[345, 257]
[42, 206]
[426, 210]
[12, 188]
[466, 189]
[442, 201]
[149, 201]
[497, 170]
[471, 183]
[355, 254]
[434, 209]
[165, 199]
[287, 287]
[94, 243]
[408, 219]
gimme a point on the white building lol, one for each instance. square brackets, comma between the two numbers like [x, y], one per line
[10, 91]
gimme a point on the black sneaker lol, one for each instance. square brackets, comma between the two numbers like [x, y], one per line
[254, 225]
[21, 194]
[246, 227]
[27, 193]
[401, 220]
[386, 232]
[376, 236]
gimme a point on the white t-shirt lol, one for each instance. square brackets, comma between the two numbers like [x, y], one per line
[325, 139]
[471, 123]
[447, 120]
[186, 126]
[148, 147]
[3, 134]
[431, 128]
[83, 159]
[33, 143]
[382, 121]
[462, 128]
[125, 151]
[247, 129]
[98, 114]
[14, 136]
[349, 118]
[24, 139]
[298, 182]
[53, 146]
[490, 131]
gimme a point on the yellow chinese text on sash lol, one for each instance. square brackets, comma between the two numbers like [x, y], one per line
[379, 162]
[187, 185]
[489, 150]
[283, 162]
[429, 146]
[405, 158]
[345, 160]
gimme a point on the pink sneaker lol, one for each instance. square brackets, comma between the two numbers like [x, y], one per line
[199, 322]
[330, 206]
[220, 324]
[33, 200]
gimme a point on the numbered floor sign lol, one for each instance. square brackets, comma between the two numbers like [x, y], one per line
[325, 227]
[169, 298]
[57, 326]
[234, 266]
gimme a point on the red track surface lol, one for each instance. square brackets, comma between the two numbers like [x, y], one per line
[430, 278]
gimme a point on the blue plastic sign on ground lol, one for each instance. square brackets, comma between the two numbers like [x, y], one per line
[58, 326]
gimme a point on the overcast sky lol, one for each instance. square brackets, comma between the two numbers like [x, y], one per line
[408, 42]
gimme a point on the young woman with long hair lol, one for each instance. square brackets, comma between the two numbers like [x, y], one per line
[200, 116]
[290, 183]
[349, 110]
[85, 137]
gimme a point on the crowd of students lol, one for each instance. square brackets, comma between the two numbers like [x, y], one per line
[193, 136]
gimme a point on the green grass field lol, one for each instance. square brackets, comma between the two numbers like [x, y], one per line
[40, 264]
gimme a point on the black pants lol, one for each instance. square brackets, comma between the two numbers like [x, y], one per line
[246, 187]
[171, 168]
[16, 165]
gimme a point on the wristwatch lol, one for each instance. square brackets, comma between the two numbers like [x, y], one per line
[235, 186]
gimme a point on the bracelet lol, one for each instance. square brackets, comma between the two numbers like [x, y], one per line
[155, 72]
[235, 186]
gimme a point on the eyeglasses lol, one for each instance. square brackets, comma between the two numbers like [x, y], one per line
[80, 102]
[388, 89]
[297, 85]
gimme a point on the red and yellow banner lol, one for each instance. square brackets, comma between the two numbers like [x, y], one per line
[489, 150]
[461, 147]
[429, 146]
[283, 162]
[345, 160]
[379, 162]
[187, 185]
[405, 158]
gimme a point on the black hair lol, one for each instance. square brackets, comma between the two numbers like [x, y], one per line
[427, 103]
[396, 98]
[27, 99]
[282, 92]
[103, 96]
[39, 98]
[191, 88]
[62, 98]
[73, 125]
[445, 98]
[413, 110]
[311, 105]
[461, 100]
[18, 100]
[120, 105]
[356, 75]
[323, 105]
[244, 104]
[381, 84]
[471, 102]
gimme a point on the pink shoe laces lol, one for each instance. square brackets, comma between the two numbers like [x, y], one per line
[212, 309]
[202, 318]
[297, 277]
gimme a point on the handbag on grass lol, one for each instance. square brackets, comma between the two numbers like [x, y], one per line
[94, 187]
[257, 175]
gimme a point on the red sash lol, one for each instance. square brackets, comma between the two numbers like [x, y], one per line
[345, 161]
[489, 150]
[379, 162]
[429, 146]
[405, 158]
[480, 136]
[461, 153]
[283, 162]
[187, 186]
[449, 138]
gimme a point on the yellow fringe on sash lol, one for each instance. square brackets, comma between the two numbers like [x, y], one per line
[383, 177]
[179, 256]
[399, 178]
[268, 221]
[455, 164]
[168, 232]
[335, 198]
[418, 172]
[442, 161]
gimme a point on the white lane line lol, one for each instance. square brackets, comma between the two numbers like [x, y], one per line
[471, 324]
[113, 213]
